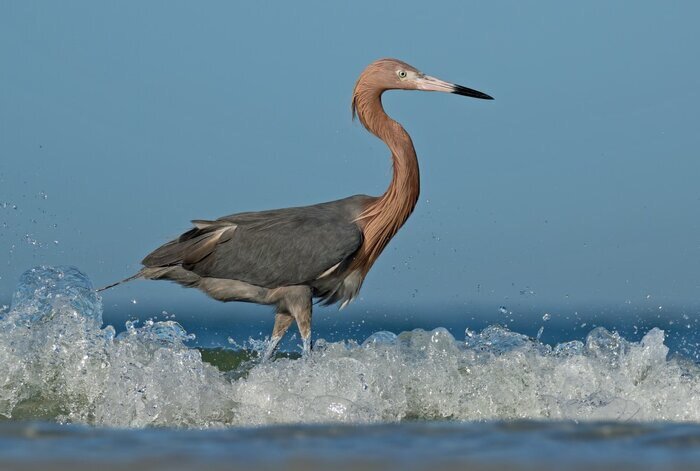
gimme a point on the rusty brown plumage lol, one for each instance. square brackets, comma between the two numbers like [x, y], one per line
[383, 217]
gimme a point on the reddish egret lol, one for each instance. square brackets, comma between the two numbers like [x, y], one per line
[287, 257]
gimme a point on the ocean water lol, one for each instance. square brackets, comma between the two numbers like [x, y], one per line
[75, 393]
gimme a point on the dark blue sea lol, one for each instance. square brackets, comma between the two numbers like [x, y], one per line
[484, 388]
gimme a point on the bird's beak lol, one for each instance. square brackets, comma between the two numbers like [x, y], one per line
[432, 84]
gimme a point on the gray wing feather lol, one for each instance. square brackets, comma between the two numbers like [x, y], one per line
[269, 248]
[190, 247]
[206, 244]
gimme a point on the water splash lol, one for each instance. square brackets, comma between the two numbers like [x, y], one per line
[45, 291]
[61, 364]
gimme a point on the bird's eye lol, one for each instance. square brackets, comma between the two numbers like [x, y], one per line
[401, 73]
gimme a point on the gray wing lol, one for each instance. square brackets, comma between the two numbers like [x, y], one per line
[269, 248]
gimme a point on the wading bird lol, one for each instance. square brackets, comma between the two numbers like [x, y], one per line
[287, 257]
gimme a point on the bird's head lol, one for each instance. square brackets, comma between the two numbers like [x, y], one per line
[393, 74]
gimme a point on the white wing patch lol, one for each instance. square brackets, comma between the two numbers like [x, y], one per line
[329, 271]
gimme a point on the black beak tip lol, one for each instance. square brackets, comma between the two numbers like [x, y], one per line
[464, 91]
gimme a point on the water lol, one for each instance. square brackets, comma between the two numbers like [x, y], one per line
[73, 390]
[409, 446]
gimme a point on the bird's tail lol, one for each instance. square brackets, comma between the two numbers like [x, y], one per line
[132, 277]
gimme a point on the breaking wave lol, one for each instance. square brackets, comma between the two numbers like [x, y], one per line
[58, 362]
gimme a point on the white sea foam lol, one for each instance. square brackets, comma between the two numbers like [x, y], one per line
[57, 362]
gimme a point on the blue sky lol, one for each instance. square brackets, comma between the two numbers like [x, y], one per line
[120, 122]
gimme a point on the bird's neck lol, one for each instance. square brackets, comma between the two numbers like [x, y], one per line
[383, 217]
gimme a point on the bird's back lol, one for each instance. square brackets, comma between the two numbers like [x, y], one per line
[275, 248]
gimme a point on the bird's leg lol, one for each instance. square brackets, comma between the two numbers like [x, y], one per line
[295, 300]
[303, 319]
[300, 308]
[282, 322]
